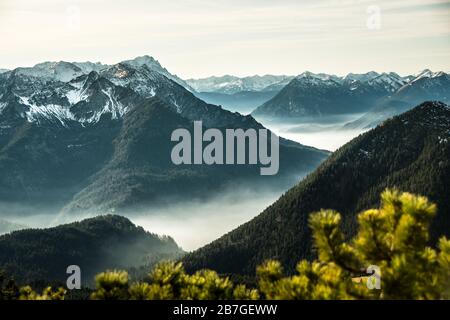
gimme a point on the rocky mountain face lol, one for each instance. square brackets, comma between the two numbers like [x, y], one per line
[90, 137]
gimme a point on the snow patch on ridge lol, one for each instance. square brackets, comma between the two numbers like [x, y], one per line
[112, 106]
[48, 111]
[2, 106]
[75, 96]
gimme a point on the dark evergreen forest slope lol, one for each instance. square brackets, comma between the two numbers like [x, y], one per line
[410, 152]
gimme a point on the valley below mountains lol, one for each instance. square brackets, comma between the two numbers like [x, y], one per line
[86, 175]
[410, 152]
[84, 138]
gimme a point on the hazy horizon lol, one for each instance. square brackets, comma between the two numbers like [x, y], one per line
[261, 74]
[198, 38]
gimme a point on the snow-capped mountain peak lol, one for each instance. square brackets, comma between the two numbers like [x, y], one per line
[427, 73]
[85, 91]
[229, 84]
[363, 77]
[147, 60]
[424, 73]
[390, 81]
[309, 74]
[58, 71]
[310, 78]
[66, 71]
[430, 74]
[79, 87]
[88, 66]
[154, 65]
[119, 71]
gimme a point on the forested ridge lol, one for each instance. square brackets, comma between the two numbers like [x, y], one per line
[295, 255]
[103, 242]
[387, 259]
[410, 152]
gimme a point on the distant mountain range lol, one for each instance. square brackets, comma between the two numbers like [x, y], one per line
[410, 152]
[382, 95]
[83, 92]
[95, 138]
[426, 85]
[243, 101]
[97, 244]
[230, 84]
[238, 94]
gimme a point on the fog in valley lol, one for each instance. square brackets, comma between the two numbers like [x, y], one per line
[191, 223]
[195, 223]
[325, 132]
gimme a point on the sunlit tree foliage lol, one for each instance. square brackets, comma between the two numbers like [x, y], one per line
[393, 238]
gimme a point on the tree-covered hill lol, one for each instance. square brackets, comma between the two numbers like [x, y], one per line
[96, 244]
[410, 151]
[389, 258]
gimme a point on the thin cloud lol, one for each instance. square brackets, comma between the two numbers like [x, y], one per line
[195, 38]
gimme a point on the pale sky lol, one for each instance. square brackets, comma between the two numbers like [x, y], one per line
[199, 38]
